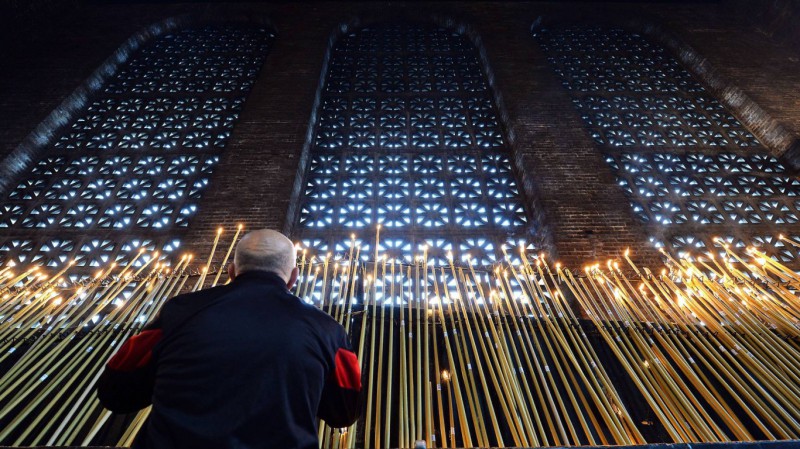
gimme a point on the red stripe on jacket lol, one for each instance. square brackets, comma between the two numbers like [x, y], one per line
[136, 352]
[347, 372]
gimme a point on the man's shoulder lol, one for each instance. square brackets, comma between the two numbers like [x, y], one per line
[199, 295]
[189, 302]
[185, 302]
[319, 317]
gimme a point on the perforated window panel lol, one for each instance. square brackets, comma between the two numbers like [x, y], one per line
[129, 171]
[408, 137]
[692, 171]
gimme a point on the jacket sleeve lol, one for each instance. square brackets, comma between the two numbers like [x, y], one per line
[340, 405]
[126, 384]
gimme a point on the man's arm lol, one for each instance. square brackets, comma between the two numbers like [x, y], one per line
[126, 384]
[340, 405]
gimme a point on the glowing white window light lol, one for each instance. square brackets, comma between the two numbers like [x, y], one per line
[355, 215]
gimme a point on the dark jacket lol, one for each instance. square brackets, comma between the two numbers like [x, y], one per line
[244, 365]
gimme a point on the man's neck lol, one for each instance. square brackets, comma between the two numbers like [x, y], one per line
[261, 276]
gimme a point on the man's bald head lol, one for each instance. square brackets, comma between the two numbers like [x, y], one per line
[265, 250]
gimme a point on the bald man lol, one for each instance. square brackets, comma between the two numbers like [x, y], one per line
[244, 365]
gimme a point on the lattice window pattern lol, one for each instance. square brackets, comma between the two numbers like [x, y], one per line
[690, 168]
[129, 171]
[408, 137]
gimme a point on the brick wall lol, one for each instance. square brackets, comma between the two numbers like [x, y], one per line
[576, 203]
[774, 18]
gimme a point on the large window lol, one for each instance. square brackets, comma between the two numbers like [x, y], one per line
[128, 171]
[408, 137]
[689, 167]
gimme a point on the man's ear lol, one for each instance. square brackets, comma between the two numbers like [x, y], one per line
[232, 271]
[292, 278]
